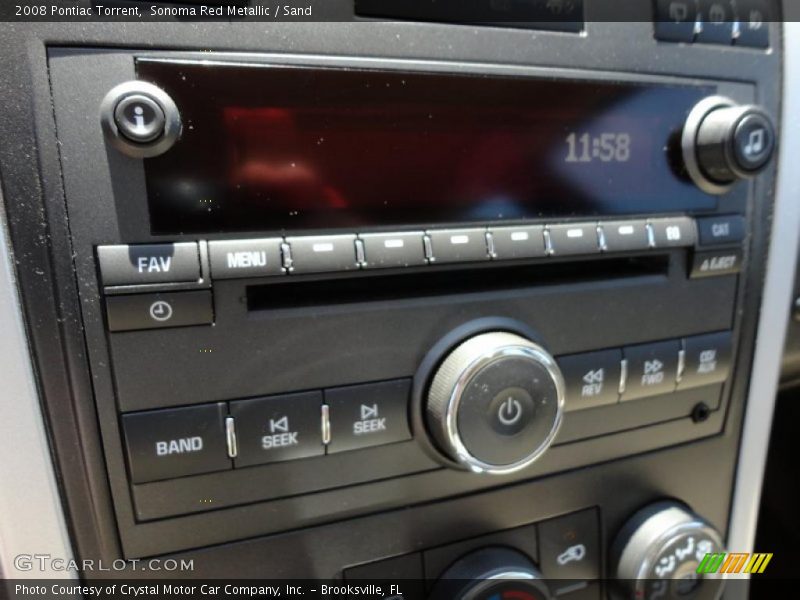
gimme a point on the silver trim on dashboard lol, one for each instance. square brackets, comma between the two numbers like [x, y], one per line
[775, 310]
[31, 516]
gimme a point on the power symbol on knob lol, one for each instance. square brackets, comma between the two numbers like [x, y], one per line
[510, 411]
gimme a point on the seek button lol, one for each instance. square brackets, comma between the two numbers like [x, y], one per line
[368, 415]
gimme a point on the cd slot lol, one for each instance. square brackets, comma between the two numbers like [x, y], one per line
[289, 293]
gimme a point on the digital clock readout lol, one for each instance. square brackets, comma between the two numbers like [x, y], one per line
[603, 147]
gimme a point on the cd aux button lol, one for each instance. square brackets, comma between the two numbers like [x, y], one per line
[320, 254]
[232, 259]
[162, 444]
[149, 263]
[625, 236]
[458, 245]
[573, 238]
[707, 359]
[384, 250]
[592, 378]
[652, 369]
[518, 242]
[367, 415]
[278, 428]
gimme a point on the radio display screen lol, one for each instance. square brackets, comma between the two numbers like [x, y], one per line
[277, 148]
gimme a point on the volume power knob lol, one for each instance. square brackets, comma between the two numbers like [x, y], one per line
[723, 142]
[495, 403]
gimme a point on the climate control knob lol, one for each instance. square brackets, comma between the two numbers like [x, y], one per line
[495, 403]
[490, 574]
[658, 553]
[723, 142]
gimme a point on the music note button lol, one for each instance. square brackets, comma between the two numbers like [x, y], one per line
[753, 142]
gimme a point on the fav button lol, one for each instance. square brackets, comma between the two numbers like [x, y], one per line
[149, 263]
[231, 259]
[162, 444]
[278, 428]
[592, 378]
[707, 359]
[652, 369]
[367, 415]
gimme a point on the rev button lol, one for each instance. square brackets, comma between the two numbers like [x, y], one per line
[278, 428]
[162, 444]
[368, 415]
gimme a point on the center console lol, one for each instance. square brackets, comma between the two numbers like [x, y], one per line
[455, 317]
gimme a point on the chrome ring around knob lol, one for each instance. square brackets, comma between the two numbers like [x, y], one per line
[659, 550]
[723, 142]
[527, 420]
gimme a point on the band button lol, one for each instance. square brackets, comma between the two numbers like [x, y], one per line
[163, 444]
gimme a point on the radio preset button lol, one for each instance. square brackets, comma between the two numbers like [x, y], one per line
[673, 232]
[367, 415]
[319, 254]
[458, 245]
[592, 378]
[149, 263]
[232, 259]
[719, 262]
[154, 311]
[162, 444]
[652, 369]
[384, 250]
[724, 229]
[755, 17]
[518, 242]
[707, 359]
[573, 238]
[278, 428]
[625, 236]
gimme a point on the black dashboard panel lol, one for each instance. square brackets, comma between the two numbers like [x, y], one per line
[333, 344]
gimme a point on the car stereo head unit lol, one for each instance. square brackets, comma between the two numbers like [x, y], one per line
[311, 275]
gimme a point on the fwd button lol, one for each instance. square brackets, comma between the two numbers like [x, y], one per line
[368, 415]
